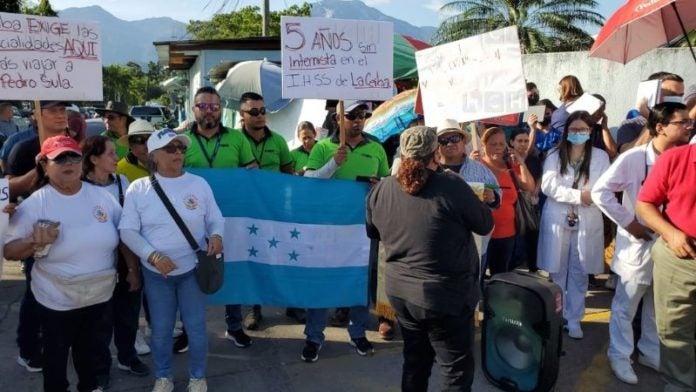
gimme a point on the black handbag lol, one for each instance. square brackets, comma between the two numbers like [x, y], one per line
[527, 215]
[210, 270]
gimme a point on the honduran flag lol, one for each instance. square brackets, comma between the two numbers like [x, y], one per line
[291, 241]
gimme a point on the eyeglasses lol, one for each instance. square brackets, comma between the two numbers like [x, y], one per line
[173, 148]
[255, 112]
[138, 139]
[112, 117]
[685, 123]
[212, 107]
[454, 139]
[67, 158]
[355, 116]
[579, 130]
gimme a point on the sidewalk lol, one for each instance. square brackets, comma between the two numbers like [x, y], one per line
[273, 362]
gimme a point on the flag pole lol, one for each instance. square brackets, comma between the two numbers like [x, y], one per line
[341, 131]
[39, 121]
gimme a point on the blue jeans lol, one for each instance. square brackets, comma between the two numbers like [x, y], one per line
[499, 255]
[165, 296]
[316, 323]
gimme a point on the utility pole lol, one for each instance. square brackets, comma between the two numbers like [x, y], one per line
[264, 18]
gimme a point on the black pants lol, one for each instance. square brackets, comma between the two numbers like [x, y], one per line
[430, 336]
[120, 320]
[29, 326]
[65, 330]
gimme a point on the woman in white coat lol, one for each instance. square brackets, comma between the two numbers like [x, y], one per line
[571, 235]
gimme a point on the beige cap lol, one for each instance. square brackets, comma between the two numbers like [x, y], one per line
[418, 142]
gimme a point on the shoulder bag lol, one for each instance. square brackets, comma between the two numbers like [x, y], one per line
[526, 212]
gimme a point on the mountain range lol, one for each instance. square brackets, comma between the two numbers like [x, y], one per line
[124, 41]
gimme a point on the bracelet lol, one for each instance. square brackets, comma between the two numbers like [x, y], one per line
[216, 235]
[154, 258]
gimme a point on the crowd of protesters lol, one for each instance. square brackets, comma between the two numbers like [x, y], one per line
[581, 181]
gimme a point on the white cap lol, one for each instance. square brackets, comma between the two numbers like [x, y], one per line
[163, 137]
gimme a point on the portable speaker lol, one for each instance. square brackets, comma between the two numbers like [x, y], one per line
[521, 332]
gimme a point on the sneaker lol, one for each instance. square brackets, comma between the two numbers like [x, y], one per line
[181, 344]
[610, 284]
[197, 385]
[623, 371]
[574, 332]
[135, 367]
[31, 364]
[652, 363]
[103, 382]
[163, 385]
[141, 346]
[239, 338]
[386, 329]
[340, 318]
[362, 346]
[310, 352]
[252, 320]
[299, 315]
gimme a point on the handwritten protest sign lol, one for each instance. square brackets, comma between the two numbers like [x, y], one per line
[337, 59]
[4, 218]
[474, 78]
[49, 58]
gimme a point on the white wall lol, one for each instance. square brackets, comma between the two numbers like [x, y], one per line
[618, 83]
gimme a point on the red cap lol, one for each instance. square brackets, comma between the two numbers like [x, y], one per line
[56, 145]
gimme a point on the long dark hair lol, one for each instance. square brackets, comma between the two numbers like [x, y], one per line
[564, 145]
[93, 146]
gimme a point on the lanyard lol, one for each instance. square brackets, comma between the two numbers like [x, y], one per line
[263, 150]
[209, 158]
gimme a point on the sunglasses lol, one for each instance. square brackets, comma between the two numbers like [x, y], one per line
[454, 139]
[355, 116]
[213, 107]
[64, 159]
[255, 112]
[173, 148]
[138, 140]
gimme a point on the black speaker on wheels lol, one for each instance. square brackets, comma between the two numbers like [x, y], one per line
[521, 332]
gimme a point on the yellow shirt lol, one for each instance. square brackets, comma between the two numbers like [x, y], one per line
[131, 170]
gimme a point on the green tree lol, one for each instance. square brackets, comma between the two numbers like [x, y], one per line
[43, 9]
[542, 25]
[243, 23]
[14, 6]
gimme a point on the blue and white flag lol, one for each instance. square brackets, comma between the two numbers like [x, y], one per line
[291, 241]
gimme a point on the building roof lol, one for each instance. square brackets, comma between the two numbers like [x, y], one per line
[180, 55]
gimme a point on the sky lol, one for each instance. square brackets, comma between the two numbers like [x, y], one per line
[416, 12]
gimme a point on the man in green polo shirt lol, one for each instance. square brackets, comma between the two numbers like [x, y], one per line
[270, 149]
[116, 119]
[360, 157]
[213, 145]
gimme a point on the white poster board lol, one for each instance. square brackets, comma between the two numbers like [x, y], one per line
[337, 58]
[473, 78]
[4, 218]
[49, 58]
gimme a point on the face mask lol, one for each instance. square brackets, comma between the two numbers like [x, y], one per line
[533, 99]
[546, 121]
[578, 138]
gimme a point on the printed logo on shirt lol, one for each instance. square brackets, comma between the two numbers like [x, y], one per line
[191, 202]
[100, 214]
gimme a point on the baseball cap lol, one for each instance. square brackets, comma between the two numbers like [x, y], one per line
[418, 142]
[137, 127]
[349, 106]
[163, 137]
[56, 145]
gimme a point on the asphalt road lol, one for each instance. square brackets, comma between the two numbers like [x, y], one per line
[273, 362]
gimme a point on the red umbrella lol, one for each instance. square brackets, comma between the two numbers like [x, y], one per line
[641, 25]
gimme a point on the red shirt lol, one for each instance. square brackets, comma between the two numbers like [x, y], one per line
[671, 184]
[504, 216]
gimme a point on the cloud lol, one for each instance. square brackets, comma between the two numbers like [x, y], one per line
[434, 5]
[373, 3]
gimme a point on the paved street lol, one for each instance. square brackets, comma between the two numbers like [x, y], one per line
[273, 362]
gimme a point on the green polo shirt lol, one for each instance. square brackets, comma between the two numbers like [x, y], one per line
[271, 152]
[121, 151]
[366, 159]
[227, 148]
[300, 156]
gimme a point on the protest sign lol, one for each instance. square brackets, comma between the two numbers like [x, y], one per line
[587, 103]
[4, 218]
[49, 58]
[537, 110]
[508, 120]
[474, 78]
[336, 58]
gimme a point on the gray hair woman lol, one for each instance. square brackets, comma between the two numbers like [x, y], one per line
[73, 276]
[169, 261]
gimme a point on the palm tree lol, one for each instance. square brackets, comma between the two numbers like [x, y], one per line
[542, 25]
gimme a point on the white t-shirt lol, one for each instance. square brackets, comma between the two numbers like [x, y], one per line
[145, 213]
[87, 238]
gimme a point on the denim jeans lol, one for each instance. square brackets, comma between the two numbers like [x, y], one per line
[316, 323]
[430, 336]
[499, 255]
[165, 296]
[29, 327]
